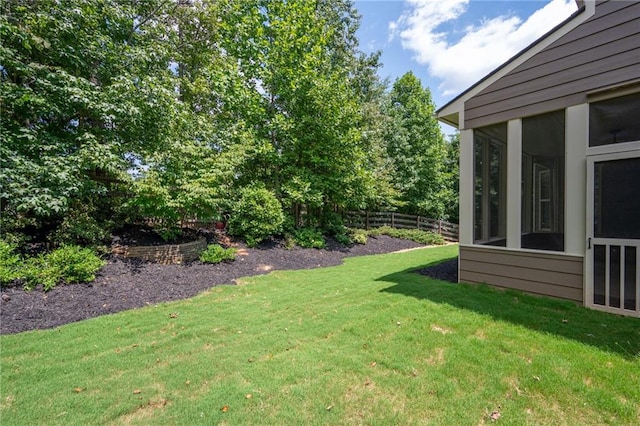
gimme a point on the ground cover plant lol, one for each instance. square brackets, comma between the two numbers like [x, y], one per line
[66, 264]
[309, 238]
[417, 235]
[215, 253]
[368, 342]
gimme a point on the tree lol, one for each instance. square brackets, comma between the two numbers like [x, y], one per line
[416, 146]
[194, 172]
[451, 178]
[182, 104]
[302, 58]
[84, 84]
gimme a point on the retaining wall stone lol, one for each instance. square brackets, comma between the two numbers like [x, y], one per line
[165, 254]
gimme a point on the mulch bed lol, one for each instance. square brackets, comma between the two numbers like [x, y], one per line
[445, 271]
[122, 285]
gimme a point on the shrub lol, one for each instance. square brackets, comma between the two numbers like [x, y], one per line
[344, 239]
[417, 235]
[359, 236]
[215, 253]
[9, 263]
[289, 242]
[12, 229]
[69, 264]
[168, 232]
[256, 215]
[425, 237]
[309, 238]
[374, 232]
[333, 224]
[79, 226]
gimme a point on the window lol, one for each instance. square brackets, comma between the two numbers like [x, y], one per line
[614, 120]
[490, 188]
[543, 147]
[543, 198]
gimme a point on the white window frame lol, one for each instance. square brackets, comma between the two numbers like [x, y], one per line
[485, 202]
[541, 169]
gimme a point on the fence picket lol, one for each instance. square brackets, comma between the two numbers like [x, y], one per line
[448, 230]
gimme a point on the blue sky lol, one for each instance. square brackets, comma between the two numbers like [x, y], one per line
[451, 44]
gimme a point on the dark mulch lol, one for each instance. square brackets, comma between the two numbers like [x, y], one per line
[445, 271]
[123, 285]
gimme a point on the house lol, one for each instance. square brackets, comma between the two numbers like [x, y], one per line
[550, 164]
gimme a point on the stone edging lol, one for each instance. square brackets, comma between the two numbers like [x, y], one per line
[166, 254]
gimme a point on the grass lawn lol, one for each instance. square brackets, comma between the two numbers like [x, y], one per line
[368, 342]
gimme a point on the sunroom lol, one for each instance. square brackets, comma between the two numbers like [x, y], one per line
[550, 164]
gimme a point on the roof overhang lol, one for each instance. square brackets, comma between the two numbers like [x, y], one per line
[452, 119]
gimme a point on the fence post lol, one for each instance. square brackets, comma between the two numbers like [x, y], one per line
[366, 225]
[440, 226]
[393, 224]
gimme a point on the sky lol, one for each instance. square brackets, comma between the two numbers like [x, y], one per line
[451, 44]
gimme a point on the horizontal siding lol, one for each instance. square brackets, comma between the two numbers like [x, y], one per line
[545, 82]
[601, 20]
[602, 52]
[562, 279]
[576, 50]
[555, 275]
[552, 99]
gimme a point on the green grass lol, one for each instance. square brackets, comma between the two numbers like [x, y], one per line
[368, 342]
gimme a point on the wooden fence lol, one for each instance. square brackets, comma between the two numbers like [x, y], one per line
[367, 220]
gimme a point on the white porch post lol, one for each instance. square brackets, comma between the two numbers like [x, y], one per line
[514, 183]
[576, 137]
[466, 187]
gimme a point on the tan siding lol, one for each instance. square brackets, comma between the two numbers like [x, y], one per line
[517, 272]
[575, 50]
[532, 287]
[602, 19]
[554, 81]
[555, 275]
[603, 51]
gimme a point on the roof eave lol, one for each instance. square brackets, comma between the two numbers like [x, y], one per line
[450, 119]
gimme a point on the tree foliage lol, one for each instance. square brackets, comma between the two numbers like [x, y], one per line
[115, 109]
[416, 147]
[83, 86]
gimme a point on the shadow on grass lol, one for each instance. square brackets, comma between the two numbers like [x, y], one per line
[608, 332]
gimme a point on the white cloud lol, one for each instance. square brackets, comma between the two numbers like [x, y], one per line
[482, 47]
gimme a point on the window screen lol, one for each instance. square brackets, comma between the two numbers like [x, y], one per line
[614, 120]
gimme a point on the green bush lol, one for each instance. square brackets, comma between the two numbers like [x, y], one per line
[9, 263]
[359, 236]
[215, 253]
[344, 239]
[374, 232]
[333, 224]
[68, 264]
[256, 215]
[168, 232]
[289, 241]
[80, 227]
[417, 235]
[309, 238]
[12, 227]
